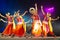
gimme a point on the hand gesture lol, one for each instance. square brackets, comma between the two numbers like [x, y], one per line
[35, 4]
[41, 6]
[58, 17]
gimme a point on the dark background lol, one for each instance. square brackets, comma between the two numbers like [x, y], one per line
[22, 5]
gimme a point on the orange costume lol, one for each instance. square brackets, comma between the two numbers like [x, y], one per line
[50, 27]
[45, 26]
[36, 26]
[8, 29]
[20, 27]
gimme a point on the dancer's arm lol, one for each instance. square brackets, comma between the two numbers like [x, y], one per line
[24, 13]
[3, 20]
[14, 14]
[2, 16]
[30, 20]
[27, 21]
[36, 6]
[42, 10]
[18, 11]
[55, 18]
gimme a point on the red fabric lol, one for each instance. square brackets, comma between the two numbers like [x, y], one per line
[35, 17]
[19, 30]
[8, 29]
[45, 26]
[18, 19]
[45, 16]
[9, 18]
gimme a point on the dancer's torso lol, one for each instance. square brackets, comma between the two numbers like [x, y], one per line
[35, 17]
[18, 19]
[10, 19]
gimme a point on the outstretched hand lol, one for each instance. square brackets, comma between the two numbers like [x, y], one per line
[41, 6]
[35, 4]
[18, 11]
[24, 13]
[1, 19]
[58, 17]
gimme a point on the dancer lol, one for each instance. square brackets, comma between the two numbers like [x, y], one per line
[8, 30]
[20, 24]
[46, 23]
[36, 25]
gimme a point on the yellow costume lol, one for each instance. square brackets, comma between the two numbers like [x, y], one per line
[50, 25]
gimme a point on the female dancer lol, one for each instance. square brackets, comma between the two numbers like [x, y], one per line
[20, 24]
[8, 30]
[47, 26]
[36, 25]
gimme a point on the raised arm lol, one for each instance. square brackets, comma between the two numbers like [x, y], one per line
[36, 6]
[42, 10]
[18, 11]
[2, 16]
[55, 18]
[14, 14]
[24, 13]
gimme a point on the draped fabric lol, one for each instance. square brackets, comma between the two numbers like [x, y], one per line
[20, 27]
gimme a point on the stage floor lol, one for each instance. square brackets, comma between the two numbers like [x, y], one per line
[29, 37]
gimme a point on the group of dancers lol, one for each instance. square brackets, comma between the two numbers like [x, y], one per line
[17, 26]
